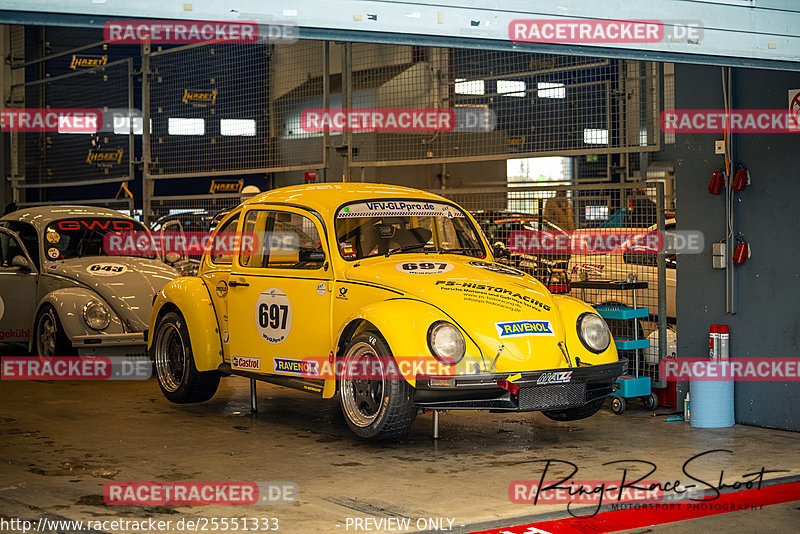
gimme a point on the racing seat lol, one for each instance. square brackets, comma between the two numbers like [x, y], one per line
[386, 237]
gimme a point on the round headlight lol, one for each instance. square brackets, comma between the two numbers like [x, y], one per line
[593, 332]
[446, 342]
[96, 315]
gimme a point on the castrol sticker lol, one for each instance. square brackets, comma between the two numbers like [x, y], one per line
[249, 364]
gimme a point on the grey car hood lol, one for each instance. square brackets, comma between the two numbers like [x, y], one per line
[126, 283]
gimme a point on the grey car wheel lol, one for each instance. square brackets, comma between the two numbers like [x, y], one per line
[378, 406]
[49, 337]
[178, 377]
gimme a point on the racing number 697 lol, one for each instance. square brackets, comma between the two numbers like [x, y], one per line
[273, 316]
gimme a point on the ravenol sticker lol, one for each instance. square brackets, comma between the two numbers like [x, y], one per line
[296, 367]
[251, 364]
[556, 377]
[524, 328]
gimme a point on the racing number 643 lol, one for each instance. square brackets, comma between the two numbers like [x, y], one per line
[273, 316]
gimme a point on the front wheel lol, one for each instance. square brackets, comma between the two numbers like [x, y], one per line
[178, 377]
[380, 405]
[580, 412]
[49, 337]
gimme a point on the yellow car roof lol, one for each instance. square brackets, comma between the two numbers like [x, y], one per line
[326, 198]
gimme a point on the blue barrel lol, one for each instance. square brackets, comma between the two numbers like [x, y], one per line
[711, 401]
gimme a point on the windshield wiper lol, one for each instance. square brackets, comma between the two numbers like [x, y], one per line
[406, 248]
[460, 250]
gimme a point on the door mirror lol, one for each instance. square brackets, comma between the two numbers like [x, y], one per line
[500, 250]
[172, 257]
[21, 262]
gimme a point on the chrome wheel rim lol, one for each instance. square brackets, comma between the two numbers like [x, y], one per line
[46, 338]
[362, 399]
[170, 357]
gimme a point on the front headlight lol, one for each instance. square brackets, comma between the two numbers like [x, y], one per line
[446, 342]
[593, 332]
[96, 315]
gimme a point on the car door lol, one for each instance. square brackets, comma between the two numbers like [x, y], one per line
[18, 291]
[279, 295]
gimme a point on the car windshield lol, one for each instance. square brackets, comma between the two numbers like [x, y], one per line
[79, 237]
[381, 227]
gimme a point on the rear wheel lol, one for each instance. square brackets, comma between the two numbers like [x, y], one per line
[580, 412]
[178, 377]
[378, 406]
[50, 339]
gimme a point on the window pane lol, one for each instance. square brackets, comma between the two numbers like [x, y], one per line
[283, 241]
[229, 228]
[237, 127]
[177, 126]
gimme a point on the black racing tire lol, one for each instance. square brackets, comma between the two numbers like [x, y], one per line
[579, 412]
[49, 338]
[178, 377]
[380, 410]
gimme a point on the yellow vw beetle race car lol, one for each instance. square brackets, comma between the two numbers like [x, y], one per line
[385, 296]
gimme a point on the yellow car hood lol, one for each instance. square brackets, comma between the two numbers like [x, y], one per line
[494, 305]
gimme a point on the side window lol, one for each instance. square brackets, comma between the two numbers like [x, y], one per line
[284, 241]
[8, 249]
[30, 238]
[225, 258]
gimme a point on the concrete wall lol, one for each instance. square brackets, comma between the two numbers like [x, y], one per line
[768, 320]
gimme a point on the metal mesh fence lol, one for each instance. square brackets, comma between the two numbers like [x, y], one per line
[200, 210]
[68, 155]
[521, 220]
[226, 108]
[506, 104]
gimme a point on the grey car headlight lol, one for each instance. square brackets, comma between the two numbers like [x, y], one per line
[446, 342]
[593, 332]
[96, 315]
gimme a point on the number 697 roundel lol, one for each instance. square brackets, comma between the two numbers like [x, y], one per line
[385, 297]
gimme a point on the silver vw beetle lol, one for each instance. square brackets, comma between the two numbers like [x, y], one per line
[61, 292]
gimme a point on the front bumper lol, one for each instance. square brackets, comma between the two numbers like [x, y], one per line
[128, 344]
[481, 391]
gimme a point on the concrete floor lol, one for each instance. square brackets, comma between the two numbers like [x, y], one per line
[62, 441]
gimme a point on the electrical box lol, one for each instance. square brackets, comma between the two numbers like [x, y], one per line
[719, 147]
[718, 255]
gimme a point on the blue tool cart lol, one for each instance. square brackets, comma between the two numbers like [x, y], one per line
[630, 386]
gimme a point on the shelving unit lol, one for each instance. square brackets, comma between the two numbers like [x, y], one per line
[631, 386]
